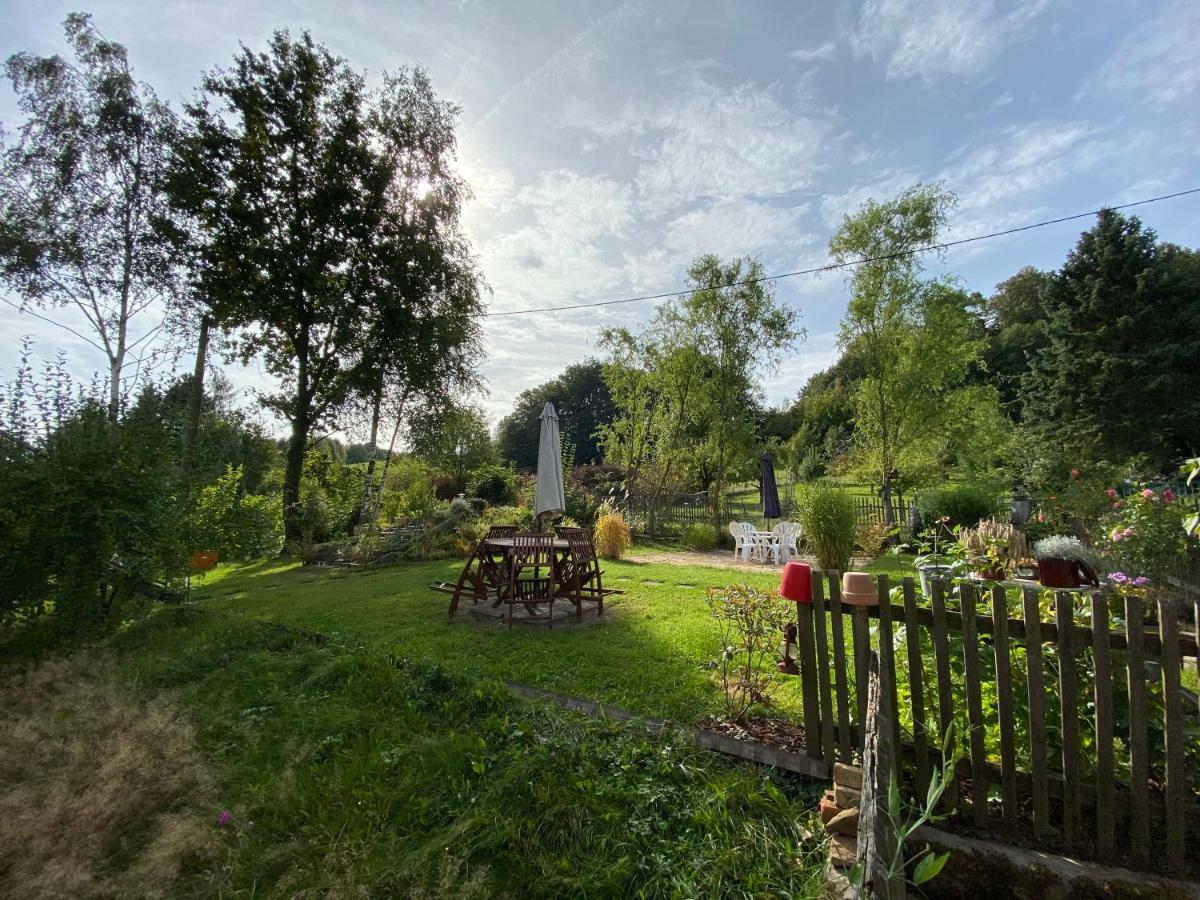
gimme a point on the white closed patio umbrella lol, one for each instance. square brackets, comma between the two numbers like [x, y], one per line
[549, 500]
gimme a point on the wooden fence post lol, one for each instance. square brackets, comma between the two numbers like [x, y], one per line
[876, 830]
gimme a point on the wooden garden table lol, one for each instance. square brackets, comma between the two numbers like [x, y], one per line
[485, 575]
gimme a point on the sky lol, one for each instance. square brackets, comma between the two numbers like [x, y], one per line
[609, 144]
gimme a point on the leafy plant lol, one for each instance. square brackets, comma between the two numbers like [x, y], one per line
[904, 819]
[750, 623]
[612, 535]
[962, 504]
[871, 537]
[827, 515]
[237, 525]
[495, 484]
[700, 537]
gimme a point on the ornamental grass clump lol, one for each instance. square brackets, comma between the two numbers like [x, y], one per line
[827, 516]
[612, 535]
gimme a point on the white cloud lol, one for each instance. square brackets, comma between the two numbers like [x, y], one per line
[1159, 63]
[930, 38]
[709, 142]
[825, 52]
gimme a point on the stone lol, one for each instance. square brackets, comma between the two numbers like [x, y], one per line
[843, 851]
[844, 823]
[828, 807]
[846, 797]
[847, 776]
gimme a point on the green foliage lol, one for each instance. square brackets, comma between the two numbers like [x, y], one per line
[583, 403]
[453, 438]
[826, 514]
[79, 493]
[495, 484]
[963, 503]
[81, 192]
[237, 525]
[916, 340]
[407, 491]
[751, 625]
[700, 537]
[1142, 536]
[1121, 372]
[371, 284]
[684, 388]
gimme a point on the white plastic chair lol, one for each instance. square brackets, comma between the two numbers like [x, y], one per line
[743, 540]
[789, 539]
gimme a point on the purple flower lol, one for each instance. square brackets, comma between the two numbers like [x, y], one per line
[1141, 581]
[1118, 577]
[225, 818]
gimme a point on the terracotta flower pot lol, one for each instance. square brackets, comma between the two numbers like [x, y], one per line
[858, 589]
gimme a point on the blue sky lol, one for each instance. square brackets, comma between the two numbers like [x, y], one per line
[609, 144]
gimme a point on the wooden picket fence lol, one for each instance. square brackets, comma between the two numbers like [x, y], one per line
[1107, 804]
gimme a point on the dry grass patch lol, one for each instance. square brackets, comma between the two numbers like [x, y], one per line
[100, 792]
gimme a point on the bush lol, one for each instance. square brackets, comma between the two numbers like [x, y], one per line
[495, 484]
[827, 516]
[871, 537]
[407, 491]
[581, 503]
[751, 623]
[700, 537]
[612, 534]
[446, 487]
[964, 504]
[236, 525]
[79, 492]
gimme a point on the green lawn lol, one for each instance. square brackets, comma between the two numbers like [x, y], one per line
[359, 744]
[647, 654]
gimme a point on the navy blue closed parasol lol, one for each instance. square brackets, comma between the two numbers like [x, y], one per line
[770, 490]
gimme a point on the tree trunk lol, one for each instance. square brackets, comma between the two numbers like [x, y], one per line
[885, 494]
[191, 428]
[115, 364]
[365, 504]
[297, 445]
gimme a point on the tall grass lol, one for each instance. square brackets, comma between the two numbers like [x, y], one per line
[827, 516]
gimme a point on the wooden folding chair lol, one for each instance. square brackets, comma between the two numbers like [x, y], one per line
[580, 575]
[531, 568]
[481, 574]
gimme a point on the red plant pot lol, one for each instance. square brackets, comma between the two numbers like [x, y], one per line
[796, 582]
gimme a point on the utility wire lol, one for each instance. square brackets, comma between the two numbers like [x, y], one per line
[829, 267]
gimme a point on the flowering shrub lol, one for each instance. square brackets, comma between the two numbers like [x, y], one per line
[1142, 539]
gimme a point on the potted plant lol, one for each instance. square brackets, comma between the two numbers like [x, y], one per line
[939, 558]
[1064, 562]
[993, 548]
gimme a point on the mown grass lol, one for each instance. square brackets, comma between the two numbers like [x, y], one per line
[353, 768]
[647, 655]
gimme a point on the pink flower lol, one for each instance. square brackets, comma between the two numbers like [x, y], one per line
[1116, 505]
[1112, 493]
[1075, 474]
[1148, 494]
[1116, 535]
[1128, 532]
[1041, 517]
[1168, 495]
[225, 818]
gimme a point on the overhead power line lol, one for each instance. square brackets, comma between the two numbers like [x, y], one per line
[829, 267]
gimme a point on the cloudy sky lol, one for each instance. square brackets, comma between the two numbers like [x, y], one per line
[609, 144]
